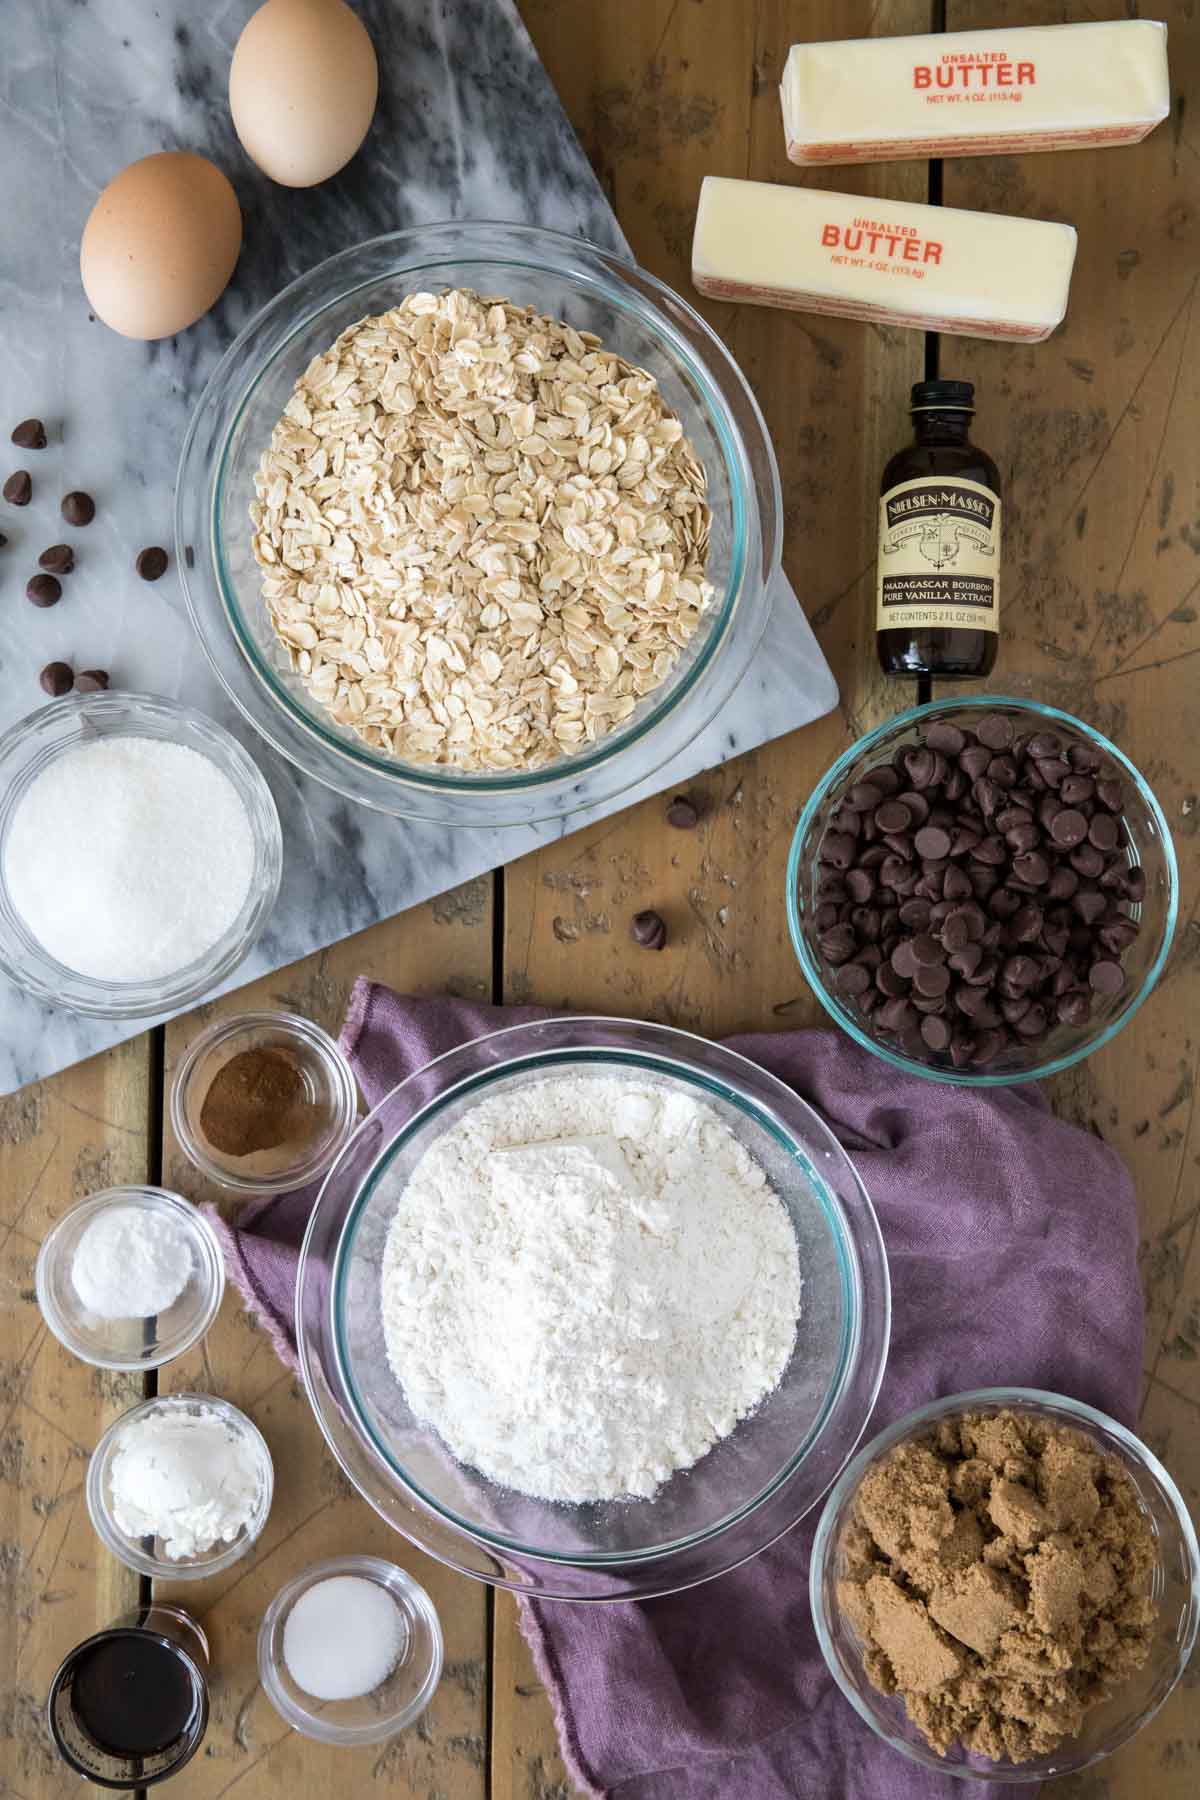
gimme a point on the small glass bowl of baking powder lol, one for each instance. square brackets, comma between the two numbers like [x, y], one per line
[399, 1634]
[172, 1468]
[130, 1278]
[263, 1102]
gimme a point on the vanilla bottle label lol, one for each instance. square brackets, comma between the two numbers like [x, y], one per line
[939, 555]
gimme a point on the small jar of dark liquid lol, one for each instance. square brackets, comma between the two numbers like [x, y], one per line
[129, 1706]
[938, 582]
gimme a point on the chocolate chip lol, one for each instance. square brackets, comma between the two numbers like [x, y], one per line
[78, 508]
[57, 678]
[1090, 905]
[1076, 789]
[859, 885]
[1106, 977]
[30, 434]
[852, 978]
[1104, 832]
[18, 489]
[1088, 861]
[935, 1031]
[681, 814]
[897, 1015]
[837, 945]
[95, 681]
[59, 559]
[932, 982]
[1031, 866]
[892, 816]
[945, 737]
[932, 842]
[864, 796]
[838, 849]
[1068, 827]
[921, 767]
[1073, 1009]
[43, 590]
[995, 730]
[151, 563]
[1111, 795]
[1135, 885]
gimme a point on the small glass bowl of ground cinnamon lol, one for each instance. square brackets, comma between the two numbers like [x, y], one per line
[263, 1102]
[1005, 1585]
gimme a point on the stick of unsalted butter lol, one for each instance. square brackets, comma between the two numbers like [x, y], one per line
[975, 93]
[932, 267]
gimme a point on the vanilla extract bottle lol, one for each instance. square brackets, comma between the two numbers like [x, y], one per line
[938, 582]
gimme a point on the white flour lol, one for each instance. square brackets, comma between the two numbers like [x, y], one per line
[587, 1283]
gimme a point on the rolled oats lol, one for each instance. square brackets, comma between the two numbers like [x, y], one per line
[482, 535]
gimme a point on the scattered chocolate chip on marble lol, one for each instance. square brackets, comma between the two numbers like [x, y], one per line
[683, 814]
[18, 489]
[43, 590]
[92, 681]
[59, 559]
[78, 508]
[57, 678]
[649, 929]
[151, 562]
[30, 434]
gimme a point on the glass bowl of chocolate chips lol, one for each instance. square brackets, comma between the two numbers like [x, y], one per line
[982, 891]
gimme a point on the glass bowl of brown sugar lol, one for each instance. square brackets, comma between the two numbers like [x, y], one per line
[263, 1101]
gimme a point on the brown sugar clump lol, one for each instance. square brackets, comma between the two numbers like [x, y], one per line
[998, 1573]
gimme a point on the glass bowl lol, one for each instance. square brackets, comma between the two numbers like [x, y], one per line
[328, 1083]
[749, 1488]
[1175, 1587]
[30, 746]
[141, 1342]
[398, 1701]
[636, 316]
[148, 1555]
[1147, 841]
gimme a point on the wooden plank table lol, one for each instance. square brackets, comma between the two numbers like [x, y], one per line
[1095, 435]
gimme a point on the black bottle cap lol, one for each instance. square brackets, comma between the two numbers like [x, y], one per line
[943, 396]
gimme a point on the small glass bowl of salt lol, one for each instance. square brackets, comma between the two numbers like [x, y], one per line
[130, 1278]
[350, 1651]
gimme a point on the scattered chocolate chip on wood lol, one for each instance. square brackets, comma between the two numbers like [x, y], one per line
[683, 813]
[57, 678]
[43, 590]
[78, 508]
[59, 559]
[649, 929]
[972, 893]
[18, 489]
[151, 562]
[92, 681]
[30, 434]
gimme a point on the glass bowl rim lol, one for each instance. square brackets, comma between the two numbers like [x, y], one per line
[757, 527]
[1039, 1400]
[127, 1550]
[387, 1575]
[155, 716]
[205, 1242]
[859, 751]
[341, 1080]
[855, 1236]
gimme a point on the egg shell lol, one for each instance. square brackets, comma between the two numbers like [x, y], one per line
[302, 89]
[160, 244]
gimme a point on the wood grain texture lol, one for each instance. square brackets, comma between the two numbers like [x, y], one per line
[60, 1141]
[444, 947]
[1095, 436]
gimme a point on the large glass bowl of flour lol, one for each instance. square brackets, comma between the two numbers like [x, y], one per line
[753, 1484]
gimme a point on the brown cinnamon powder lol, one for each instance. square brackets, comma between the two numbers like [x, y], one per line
[998, 1572]
[257, 1101]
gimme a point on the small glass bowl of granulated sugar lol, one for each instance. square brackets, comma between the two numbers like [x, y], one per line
[140, 854]
[130, 1278]
[350, 1651]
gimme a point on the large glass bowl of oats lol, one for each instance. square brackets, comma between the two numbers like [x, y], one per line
[477, 523]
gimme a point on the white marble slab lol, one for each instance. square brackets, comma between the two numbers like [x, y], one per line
[468, 126]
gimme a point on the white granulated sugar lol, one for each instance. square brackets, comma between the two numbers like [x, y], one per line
[129, 858]
[587, 1283]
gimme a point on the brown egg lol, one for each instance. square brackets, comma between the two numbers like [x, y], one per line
[302, 89]
[160, 244]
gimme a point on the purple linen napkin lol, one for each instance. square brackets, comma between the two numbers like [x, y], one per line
[1012, 1244]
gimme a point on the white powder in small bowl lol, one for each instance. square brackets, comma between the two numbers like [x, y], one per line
[342, 1638]
[188, 1478]
[131, 1263]
[129, 858]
